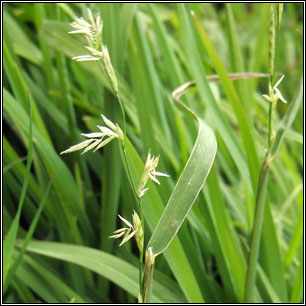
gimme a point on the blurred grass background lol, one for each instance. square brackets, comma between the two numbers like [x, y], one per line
[154, 49]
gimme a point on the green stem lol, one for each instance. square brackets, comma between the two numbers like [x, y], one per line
[263, 179]
[123, 145]
[257, 228]
[141, 251]
[148, 276]
[259, 212]
[123, 116]
[270, 125]
[124, 149]
[134, 190]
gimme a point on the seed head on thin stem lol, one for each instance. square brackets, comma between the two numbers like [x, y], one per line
[149, 172]
[96, 140]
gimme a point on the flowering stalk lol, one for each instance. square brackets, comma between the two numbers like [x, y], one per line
[92, 31]
[148, 173]
[272, 98]
[98, 52]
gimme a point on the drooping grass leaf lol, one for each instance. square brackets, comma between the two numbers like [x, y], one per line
[186, 189]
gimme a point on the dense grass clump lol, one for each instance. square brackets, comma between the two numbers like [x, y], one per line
[199, 151]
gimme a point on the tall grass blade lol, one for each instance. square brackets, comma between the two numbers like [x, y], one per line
[28, 237]
[10, 239]
[115, 269]
[186, 189]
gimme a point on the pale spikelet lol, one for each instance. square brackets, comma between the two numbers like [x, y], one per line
[107, 131]
[142, 192]
[109, 69]
[85, 58]
[93, 135]
[119, 233]
[95, 140]
[93, 34]
[94, 52]
[126, 221]
[104, 143]
[274, 93]
[139, 231]
[150, 257]
[127, 232]
[92, 145]
[91, 19]
[77, 147]
[109, 123]
[127, 237]
[149, 172]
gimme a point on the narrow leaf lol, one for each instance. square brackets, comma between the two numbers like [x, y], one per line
[186, 190]
[9, 241]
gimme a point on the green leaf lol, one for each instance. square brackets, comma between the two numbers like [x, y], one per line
[115, 269]
[33, 271]
[288, 119]
[27, 239]
[186, 189]
[10, 239]
[221, 122]
[246, 134]
[63, 180]
[175, 254]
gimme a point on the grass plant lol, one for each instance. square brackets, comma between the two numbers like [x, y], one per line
[188, 188]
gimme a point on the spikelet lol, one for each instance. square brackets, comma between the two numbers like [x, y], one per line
[272, 41]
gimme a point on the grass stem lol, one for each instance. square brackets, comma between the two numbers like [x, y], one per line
[257, 228]
[134, 191]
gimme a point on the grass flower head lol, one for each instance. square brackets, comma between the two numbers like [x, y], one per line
[128, 232]
[97, 140]
[149, 172]
[92, 29]
[274, 93]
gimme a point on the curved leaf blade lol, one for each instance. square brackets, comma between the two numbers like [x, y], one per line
[8, 245]
[186, 190]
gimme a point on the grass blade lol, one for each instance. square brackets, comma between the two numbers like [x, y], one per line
[175, 254]
[10, 239]
[27, 238]
[186, 189]
[230, 91]
[288, 119]
[221, 123]
[51, 280]
[115, 269]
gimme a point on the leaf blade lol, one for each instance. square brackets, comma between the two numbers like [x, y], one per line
[181, 201]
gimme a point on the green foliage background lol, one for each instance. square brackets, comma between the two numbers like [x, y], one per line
[154, 48]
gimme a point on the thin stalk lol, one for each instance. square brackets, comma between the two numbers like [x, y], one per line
[148, 276]
[124, 132]
[270, 125]
[264, 172]
[131, 182]
[134, 190]
[257, 228]
[124, 149]
[141, 251]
